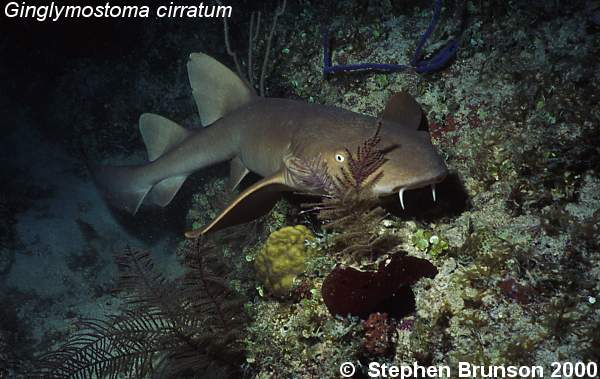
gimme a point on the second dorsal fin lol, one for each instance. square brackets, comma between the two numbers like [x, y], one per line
[160, 134]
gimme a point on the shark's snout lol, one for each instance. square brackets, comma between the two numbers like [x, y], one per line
[399, 177]
[399, 185]
[431, 179]
[420, 184]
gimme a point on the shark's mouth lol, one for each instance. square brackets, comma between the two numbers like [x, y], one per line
[421, 184]
[401, 194]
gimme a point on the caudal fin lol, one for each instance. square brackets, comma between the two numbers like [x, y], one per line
[126, 187]
[122, 186]
[217, 91]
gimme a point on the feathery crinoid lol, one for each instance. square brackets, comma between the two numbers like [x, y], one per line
[361, 173]
[349, 206]
[171, 329]
[312, 174]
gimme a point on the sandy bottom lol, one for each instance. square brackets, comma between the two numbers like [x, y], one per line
[67, 238]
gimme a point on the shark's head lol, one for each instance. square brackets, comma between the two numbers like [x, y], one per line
[411, 160]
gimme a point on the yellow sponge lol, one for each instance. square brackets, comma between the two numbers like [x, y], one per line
[283, 258]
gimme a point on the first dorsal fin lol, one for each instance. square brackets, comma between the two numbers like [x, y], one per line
[403, 109]
[216, 89]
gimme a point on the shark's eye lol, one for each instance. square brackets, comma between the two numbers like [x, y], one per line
[339, 157]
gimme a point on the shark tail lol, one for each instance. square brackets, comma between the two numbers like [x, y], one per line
[126, 187]
[217, 91]
[121, 186]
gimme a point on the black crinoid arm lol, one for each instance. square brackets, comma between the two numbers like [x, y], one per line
[170, 329]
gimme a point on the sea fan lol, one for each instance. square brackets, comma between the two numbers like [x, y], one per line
[172, 329]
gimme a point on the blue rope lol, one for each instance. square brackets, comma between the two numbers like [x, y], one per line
[417, 64]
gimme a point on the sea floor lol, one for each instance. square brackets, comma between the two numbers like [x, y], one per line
[515, 115]
[66, 239]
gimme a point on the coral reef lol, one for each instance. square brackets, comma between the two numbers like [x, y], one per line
[298, 340]
[417, 63]
[283, 258]
[379, 335]
[516, 269]
[428, 242]
[515, 115]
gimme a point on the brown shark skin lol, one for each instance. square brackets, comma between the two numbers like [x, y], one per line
[306, 130]
[265, 132]
[262, 135]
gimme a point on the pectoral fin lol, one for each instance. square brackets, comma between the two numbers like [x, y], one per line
[254, 202]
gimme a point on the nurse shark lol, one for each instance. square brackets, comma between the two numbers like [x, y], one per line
[264, 135]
